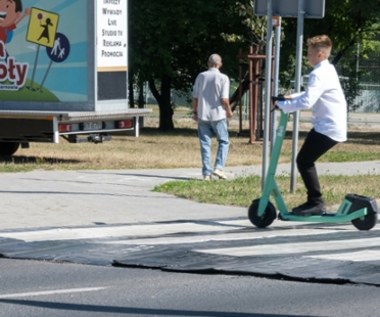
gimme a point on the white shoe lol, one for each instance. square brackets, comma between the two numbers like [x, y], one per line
[220, 174]
[206, 177]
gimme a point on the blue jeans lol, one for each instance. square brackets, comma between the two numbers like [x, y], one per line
[206, 130]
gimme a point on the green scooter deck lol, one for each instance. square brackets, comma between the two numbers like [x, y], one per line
[327, 218]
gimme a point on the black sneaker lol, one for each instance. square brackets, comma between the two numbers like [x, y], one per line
[309, 209]
[301, 207]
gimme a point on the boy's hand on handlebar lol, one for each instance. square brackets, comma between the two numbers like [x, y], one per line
[279, 98]
[274, 101]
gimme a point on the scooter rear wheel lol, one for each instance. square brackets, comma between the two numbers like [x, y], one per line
[367, 222]
[266, 219]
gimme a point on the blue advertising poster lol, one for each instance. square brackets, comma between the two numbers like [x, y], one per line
[44, 51]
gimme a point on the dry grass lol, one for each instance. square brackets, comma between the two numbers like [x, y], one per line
[179, 148]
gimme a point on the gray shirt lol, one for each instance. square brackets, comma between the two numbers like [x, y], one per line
[210, 87]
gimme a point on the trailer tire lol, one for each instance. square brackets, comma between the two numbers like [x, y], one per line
[8, 148]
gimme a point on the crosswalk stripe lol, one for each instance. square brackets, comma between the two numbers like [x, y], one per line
[110, 232]
[131, 233]
[222, 236]
[223, 231]
[293, 248]
[359, 256]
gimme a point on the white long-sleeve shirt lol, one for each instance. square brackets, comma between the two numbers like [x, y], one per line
[324, 95]
[210, 87]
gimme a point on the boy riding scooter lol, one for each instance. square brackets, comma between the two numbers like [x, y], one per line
[324, 95]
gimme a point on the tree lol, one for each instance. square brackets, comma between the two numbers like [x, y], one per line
[348, 23]
[170, 41]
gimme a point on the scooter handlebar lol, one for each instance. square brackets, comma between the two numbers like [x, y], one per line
[275, 99]
[278, 98]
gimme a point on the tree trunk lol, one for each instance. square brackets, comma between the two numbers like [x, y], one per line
[130, 91]
[164, 102]
[141, 100]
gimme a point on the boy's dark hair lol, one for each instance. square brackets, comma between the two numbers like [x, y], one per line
[320, 43]
[18, 5]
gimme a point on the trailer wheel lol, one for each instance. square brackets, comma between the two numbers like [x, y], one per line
[265, 220]
[367, 222]
[8, 148]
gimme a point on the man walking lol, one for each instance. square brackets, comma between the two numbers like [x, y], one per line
[211, 108]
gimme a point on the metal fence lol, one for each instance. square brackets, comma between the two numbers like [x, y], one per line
[368, 99]
[368, 72]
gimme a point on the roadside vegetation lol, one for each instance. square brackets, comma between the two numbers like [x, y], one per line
[155, 149]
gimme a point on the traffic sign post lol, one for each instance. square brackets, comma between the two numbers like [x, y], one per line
[268, 82]
[300, 9]
[313, 9]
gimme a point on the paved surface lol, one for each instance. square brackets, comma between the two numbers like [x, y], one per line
[114, 218]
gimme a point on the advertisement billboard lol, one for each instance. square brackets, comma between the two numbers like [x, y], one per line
[46, 53]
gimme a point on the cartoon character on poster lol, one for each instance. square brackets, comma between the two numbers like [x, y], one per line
[12, 73]
[27, 29]
[11, 13]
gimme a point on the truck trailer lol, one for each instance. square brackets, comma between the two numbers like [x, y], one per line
[64, 72]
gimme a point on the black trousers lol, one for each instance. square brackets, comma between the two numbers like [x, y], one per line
[315, 145]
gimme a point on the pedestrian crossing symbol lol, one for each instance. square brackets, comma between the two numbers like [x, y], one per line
[42, 27]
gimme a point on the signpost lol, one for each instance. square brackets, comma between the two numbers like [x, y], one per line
[314, 9]
[300, 9]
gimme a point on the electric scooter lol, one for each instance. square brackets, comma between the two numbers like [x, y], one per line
[362, 211]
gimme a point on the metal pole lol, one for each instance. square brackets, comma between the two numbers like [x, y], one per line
[240, 92]
[268, 82]
[276, 72]
[252, 97]
[300, 20]
[35, 67]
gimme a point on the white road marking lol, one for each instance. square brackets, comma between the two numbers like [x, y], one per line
[234, 236]
[132, 232]
[231, 230]
[293, 248]
[52, 292]
[112, 232]
[360, 256]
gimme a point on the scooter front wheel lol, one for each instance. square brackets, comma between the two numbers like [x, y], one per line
[266, 219]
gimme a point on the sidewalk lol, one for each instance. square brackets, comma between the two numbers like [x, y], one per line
[74, 198]
[347, 168]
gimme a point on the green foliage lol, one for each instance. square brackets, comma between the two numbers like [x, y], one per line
[174, 38]
[170, 41]
[348, 23]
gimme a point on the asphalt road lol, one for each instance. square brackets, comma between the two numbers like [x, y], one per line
[33, 288]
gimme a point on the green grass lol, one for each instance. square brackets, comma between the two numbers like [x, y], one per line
[241, 191]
